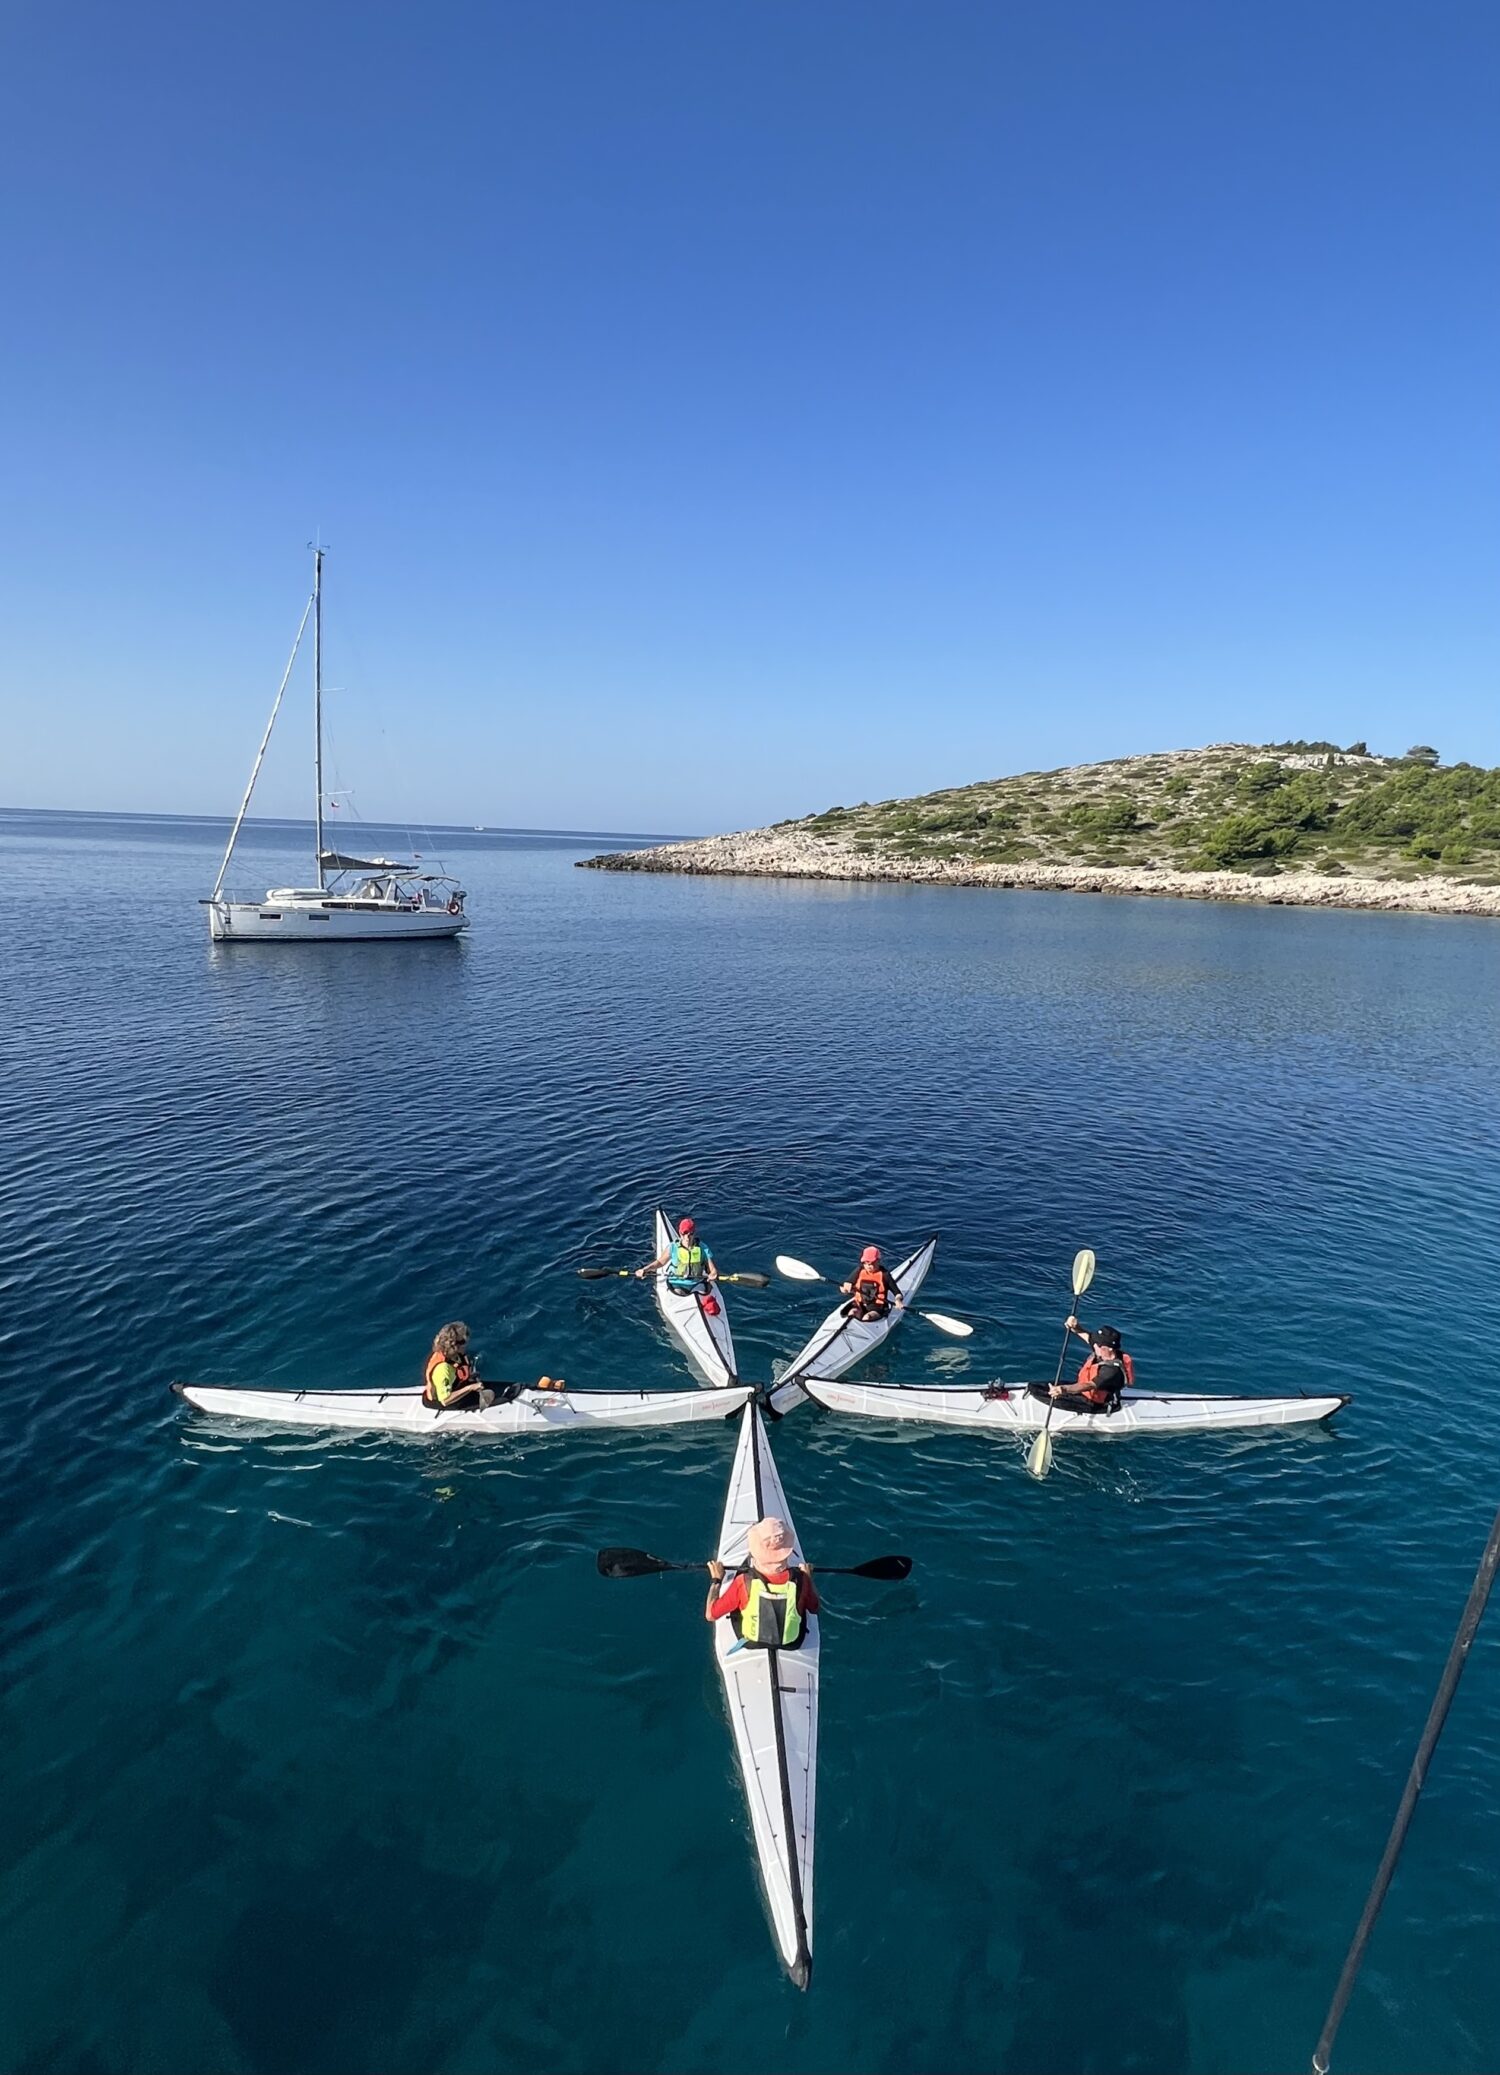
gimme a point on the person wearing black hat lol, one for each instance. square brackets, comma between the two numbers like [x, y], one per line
[1100, 1381]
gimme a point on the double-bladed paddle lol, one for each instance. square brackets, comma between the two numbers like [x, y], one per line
[799, 1271]
[748, 1278]
[1039, 1461]
[637, 1563]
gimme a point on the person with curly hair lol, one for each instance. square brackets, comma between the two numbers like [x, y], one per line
[451, 1383]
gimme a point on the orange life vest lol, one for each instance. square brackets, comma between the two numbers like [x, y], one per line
[1093, 1390]
[871, 1287]
[462, 1373]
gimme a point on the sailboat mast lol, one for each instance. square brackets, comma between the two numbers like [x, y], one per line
[318, 700]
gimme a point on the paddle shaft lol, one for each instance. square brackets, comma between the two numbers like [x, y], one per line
[1057, 1379]
[956, 1328]
[1458, 1657]
[1039, 1456]
[648, 1566]
[745, 1278]
[824, 1570]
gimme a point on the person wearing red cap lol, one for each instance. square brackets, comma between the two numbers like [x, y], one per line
[688, 1262]
[872, 1289]
[770, 1600]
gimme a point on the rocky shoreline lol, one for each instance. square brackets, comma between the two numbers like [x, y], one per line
[794, 853]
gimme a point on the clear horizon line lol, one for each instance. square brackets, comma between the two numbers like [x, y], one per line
[291, 821]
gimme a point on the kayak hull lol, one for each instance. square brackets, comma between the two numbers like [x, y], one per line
[1140, 1412]
[707, 1341]
[772, 1699]
[402, 1411]
[839, 1342]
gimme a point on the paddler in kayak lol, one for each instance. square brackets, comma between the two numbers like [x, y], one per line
[770, 1601]
[689, 1265]
[451, 1382]
[1097, 1387]
[872, 1289]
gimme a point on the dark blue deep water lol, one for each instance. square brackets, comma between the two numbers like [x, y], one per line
[334, 1754]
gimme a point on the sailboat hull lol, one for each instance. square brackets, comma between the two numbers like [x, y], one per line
[309, 922]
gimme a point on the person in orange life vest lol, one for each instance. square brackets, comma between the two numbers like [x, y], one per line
[872, 1289]
[1098, 1385]
[451, 1382]
[768, 1602]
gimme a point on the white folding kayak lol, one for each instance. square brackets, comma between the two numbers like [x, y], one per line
[706, 1337]
[1016, 1411]
[402, 1411]
[841, 1342]
[772, 1696]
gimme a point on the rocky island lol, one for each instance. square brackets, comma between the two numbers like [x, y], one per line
[1299, 823]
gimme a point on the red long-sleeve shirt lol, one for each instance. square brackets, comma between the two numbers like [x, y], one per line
[736, 1595]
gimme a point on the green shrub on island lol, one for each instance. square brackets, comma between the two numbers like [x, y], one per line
[1110, 818]
[1240, 838]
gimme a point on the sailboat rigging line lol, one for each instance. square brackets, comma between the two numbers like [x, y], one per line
[1442, 1700]
[260, 755]
[318, 704]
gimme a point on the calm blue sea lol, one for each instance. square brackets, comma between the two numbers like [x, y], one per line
[336, 1754]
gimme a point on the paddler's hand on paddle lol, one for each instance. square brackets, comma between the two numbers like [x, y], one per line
[716, 1570]
[847, 1288]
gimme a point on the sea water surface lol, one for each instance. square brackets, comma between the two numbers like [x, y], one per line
[333, 1753]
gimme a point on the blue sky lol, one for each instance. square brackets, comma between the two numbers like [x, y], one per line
[722, 408]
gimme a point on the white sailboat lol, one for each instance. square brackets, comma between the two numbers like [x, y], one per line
[356, 899]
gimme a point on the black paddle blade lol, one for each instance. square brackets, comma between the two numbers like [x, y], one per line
[593, 1274]
[746, 1275]
[628, 1563]
[889, 1568]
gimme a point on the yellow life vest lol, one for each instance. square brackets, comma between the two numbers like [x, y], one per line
[685, 1263]
[771, 1618]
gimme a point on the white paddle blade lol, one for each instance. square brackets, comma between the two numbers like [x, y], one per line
[959, 1328]
[1039, 1461]
[796, 1271]
[1083, 1271]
